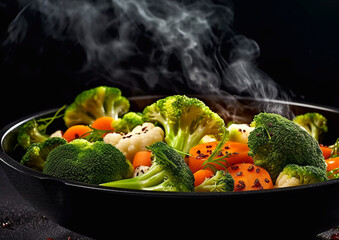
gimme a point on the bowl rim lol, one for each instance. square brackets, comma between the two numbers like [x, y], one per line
[16, 166]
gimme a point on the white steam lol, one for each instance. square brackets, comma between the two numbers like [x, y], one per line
[118, 35]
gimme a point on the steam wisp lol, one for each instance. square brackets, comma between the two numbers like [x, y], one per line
[151, 43]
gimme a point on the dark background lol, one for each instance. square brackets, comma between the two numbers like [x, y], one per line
[298, 39]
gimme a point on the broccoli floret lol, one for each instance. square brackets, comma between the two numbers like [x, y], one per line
[88, 162]
[128, 122]
[34, 130]
[294, 175]
[314, 123]
[185, 121]
[94, 103]
[221, 182]
[37, 153]
[276, 142]
[31, 132]
[168, 172]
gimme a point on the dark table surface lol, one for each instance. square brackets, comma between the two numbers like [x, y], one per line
[18, 220]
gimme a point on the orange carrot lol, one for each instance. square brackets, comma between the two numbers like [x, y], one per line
[103, 123]
[332, 164]
[326, 151]
[236, 153]
[201, 175]
[249, 177]
[75, 132]
[142, 158]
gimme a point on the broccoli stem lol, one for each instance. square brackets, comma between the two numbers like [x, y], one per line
[185, 141]
[180, 141]
[153, 177]
[37, 137]
[153, 180]
[315, 132]
[158, 187]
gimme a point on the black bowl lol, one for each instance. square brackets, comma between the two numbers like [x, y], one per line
[287, 213]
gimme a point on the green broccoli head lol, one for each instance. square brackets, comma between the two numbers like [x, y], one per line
[94, 103]
[168, 172]
[276, 142]
[314, 123]
[294, 175]
[88, 162]
[37, 153]
[185, 121]
[129, 121]
[31, 132]
[221, 182]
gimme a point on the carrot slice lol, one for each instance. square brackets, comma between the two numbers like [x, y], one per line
[249, 177]
[103, 123]
[75, 132]
[332, 164]
[201, 175]
[142, 158]
[236, 153]
[327, 152]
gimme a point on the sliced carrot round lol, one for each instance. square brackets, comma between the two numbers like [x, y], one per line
[332, 165]
[327, 152]
[103, 123]
[142, 158]
[234, 152]
[249, 177]
[201, 175]
[76, 131]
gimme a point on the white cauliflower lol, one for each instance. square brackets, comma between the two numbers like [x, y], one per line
[239, 132]
[140, 170]
[56, 134]
[284, 180]
[135, 141]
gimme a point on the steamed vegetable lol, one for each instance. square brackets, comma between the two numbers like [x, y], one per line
[248, 177]
[37, 153]
[168, 172]
[314, 123]
[333, 167]
[185, 121]
[221, 182]
[34, 131]
[76, 131]
[277, 142]
[128, 122]
[327, 151]
[103, 123]
[231, 153]
[88, 162]
[294, 175]
[201, 175]
[142, 158]
[137, 140]
[239, 132]
[31, 132]
[95, 103]
[335, 149]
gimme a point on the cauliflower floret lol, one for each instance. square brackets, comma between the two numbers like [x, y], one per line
[239, 132]
[284, 180]
[135, 141]
[140, 170]
[56, 134]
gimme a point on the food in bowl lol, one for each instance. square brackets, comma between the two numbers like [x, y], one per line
[177, 144]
